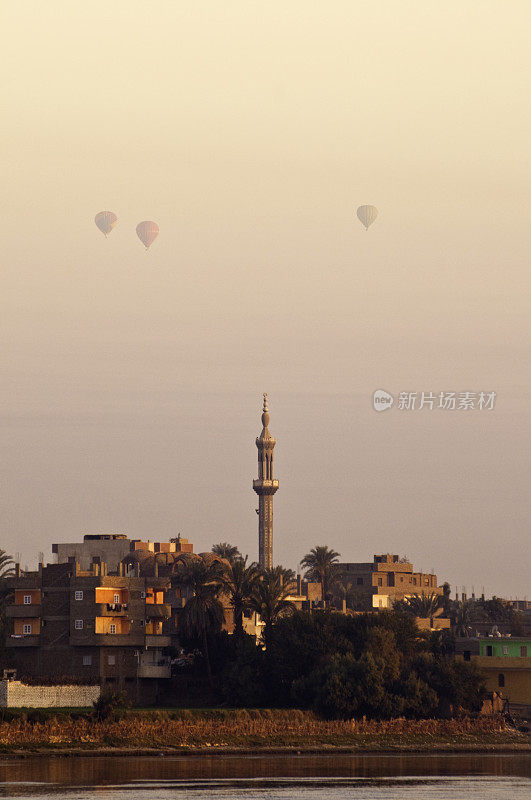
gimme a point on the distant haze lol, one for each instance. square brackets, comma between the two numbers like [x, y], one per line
[250, 132]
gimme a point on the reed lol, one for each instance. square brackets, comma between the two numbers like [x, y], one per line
[242, 728]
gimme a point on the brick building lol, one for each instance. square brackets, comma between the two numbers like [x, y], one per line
[96, 624]
[378, 584]
[90, 625]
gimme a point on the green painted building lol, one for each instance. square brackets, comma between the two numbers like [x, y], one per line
[504, 647]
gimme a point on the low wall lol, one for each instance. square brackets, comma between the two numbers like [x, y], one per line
[15, 694]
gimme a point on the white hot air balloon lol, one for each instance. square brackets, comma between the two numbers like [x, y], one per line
[367, 215]
[105, 221]
[147, 232]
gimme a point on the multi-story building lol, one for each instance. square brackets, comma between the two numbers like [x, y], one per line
[505, 662]
[112, 549]
[99, 625]
[92, 626]
[387, 579]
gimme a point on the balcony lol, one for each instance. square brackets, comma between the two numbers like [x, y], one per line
[111, 609]
[160, 611]
[16, 610]
[264, 486]
[157, 640]
[91, 639]
[23, 640]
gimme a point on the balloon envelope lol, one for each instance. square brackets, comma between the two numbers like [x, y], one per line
[367, 215]
[147, 232]
[106, 221]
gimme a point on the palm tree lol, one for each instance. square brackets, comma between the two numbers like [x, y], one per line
[446, 598]
[498, 612]
[422, 605]
[7, 565]
[203, 612]
[321, 566]
[240, 581]
[270, 596]
[7, 570]
[227, 551]
[463, 617]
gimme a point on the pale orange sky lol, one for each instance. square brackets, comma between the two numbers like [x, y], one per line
[250, 132]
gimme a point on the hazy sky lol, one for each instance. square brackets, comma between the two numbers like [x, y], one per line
[250, 131]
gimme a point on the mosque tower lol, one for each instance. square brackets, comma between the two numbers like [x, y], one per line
[265, 487]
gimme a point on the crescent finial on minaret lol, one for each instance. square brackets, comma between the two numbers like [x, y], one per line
[265, 402]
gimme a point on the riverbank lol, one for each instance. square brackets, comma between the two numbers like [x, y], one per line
[249, 731]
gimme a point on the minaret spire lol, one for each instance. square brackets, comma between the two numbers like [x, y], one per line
[265, 487]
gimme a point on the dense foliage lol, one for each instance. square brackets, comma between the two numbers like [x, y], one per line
[342, 666]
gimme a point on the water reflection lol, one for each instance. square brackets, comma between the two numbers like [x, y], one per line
[270, 776]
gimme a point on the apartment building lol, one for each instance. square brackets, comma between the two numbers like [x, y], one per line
[378, 584]
[91, 626]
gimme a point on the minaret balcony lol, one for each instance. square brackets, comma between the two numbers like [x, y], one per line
[263, 486]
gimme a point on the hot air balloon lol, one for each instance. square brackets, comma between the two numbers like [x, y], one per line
[105, 221]
[147, 232]
[367, 215]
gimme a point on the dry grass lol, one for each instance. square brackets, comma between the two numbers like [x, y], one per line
[248, 730]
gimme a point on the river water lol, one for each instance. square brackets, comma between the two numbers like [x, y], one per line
[284, 777]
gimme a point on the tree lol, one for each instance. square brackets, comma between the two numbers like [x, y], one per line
[421, 605]
[7, 570]
[269, 598]
[321, 566]
[446, 598]
[463, 616]
[7, 565]
[499, 612]
[240, 581]
[203, 612]
[227, 551]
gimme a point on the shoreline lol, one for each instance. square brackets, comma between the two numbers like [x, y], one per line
[506, 747]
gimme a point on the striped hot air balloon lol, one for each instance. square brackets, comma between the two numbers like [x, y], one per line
[147, 232]
[105, 220]
[367, 215]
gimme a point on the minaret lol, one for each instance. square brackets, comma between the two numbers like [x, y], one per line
[265, 487]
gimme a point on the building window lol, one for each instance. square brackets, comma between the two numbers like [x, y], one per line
[78, 624]
[380, 583]
[27, 629]
[142, 595]
[414, 581]
[380, 603]
[27, 599]
[489, 649]
[111, 660]
[466, 655]
[505, 650]
[501, 680]
[116, 598]
[87, 661]
[112, 628]
[78, 595]
[401, 580]
[523, 651]
[359, 581]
